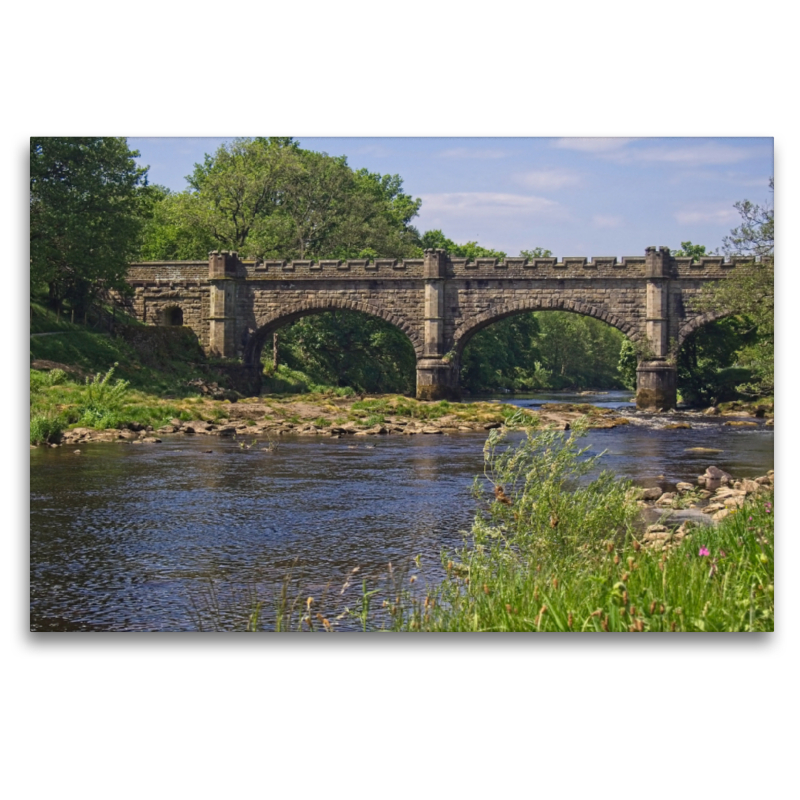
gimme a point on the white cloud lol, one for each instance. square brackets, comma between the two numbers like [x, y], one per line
[466, 152]
[549, 179]
[692, 154]
[486, 203]
[678, 151]
[700, 216]
[594, 144]
[607, 221]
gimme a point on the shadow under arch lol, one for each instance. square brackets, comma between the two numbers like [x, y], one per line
[268, 325]
[693, 325]
[470, 327]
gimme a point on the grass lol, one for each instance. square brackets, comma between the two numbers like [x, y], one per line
[554, 549]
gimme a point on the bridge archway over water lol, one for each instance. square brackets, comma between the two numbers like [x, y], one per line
[438, 302]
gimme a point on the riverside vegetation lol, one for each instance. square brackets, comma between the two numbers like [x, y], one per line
[551, 550]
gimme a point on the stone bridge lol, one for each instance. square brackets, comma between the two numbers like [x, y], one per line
[438, 301]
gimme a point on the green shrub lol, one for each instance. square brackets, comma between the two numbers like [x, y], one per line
[46, 428]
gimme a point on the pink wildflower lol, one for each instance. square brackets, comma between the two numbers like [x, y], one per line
[704, 552]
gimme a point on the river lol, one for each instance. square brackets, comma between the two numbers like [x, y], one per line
[169, 537]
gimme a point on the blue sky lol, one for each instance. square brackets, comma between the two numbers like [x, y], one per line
[574, 196]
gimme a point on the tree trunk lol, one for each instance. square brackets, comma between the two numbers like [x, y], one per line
[275, 350]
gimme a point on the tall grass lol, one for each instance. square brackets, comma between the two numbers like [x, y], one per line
[549, 554]
[555, 546]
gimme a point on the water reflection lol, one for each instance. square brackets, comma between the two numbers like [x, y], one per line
[124, 537]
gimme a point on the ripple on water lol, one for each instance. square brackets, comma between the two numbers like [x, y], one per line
[126, 538]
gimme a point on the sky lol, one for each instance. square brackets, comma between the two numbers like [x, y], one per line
[573, 196]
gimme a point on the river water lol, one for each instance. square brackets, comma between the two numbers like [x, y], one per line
[169, 537]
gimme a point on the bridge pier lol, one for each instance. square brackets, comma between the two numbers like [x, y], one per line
[656, 379]
[437, 376]
[656, 385]
[437, 379]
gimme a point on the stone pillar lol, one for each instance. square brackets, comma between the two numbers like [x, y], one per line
[437, 377]
[656, 385]
[222, 309]
[656, 379]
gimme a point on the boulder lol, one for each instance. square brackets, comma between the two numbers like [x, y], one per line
[653, 493]
[684, 487]
[741, 424]
[711, 411]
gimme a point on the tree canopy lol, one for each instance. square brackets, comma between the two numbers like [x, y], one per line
[269, 198]
[87, 202]
[750, 292]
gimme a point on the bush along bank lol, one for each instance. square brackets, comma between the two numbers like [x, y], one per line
[552, 550]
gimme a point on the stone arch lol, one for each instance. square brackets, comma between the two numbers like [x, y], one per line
[171, 315]
[289, 314]
[471, 326]
[694, 324]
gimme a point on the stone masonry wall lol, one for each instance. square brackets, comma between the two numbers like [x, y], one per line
[269, 294]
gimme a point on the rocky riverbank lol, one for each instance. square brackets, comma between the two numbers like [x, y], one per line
[338, 417]
[715, 495]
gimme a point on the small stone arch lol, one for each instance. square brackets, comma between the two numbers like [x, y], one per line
[694, 324]
[171, 315]
[471, 326]
[289, 314]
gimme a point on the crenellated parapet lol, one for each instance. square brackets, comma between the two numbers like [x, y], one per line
[439, 301]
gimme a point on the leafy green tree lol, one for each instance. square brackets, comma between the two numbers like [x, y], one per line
[436, 239]
[269, 198]
[88, 201]
[537, 252]
[696, 251]
[709, 363]
[750, 292]
[345, 348]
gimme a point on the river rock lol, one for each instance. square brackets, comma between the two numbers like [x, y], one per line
[227, 430]
[431, 429]
[711, 411]
[720, 515]
[666, 499]
[684, 487]
[740, 424]
[675, 426]
[770, 422]
[702, 450]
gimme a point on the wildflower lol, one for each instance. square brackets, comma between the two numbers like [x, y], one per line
[722, 554]
[704, 552]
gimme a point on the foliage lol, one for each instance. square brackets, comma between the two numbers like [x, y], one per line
[695, 251]
[102, 398]
[554, 549]
[269, 198]
[435, 239]
[346, 348]
[88, 200]
[626, 366]
[709, 362]
[543, 350]
[46, 428]
[552, 552]
[750, 292]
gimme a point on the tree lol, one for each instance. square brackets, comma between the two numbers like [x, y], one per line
[269, 198]
[437, 240]
[88, 200]
[750, 291]
[696, 251]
